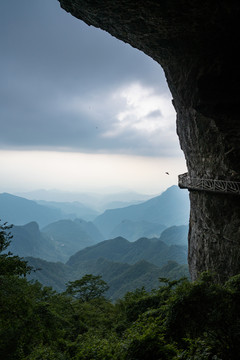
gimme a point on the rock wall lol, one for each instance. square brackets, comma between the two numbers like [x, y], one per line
[196, 42]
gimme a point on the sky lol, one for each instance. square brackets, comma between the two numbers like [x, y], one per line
[79, 109]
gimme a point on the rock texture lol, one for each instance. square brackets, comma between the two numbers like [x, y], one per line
[196, 42]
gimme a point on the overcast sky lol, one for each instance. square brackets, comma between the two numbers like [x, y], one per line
[73, 97]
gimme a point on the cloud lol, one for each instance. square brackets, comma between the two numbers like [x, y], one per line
[69, 87]
[145, 122]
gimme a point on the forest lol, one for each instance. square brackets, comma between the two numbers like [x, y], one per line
[178, 319]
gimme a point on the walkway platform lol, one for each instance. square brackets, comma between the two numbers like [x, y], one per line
[217, 186]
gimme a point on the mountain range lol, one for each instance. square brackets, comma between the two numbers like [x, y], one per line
[73, 209]
[133, 230]
[146, 219]
[121, 277]
[121, 250]
[168, 209]
[29, 241]
[175, 235]
[96, 201]
[124, 265]
[55, 242]
[72, 235]
[19, 211]
[129, 246]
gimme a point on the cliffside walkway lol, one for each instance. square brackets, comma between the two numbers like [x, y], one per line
[217, 186]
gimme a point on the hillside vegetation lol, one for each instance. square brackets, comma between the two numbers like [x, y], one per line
[124, 265]
[121, 277]
[121, 250]
[177, 320]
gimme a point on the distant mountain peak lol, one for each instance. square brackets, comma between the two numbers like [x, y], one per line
[168, 209]
[33, 226]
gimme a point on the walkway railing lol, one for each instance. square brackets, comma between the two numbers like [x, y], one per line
[219, 186]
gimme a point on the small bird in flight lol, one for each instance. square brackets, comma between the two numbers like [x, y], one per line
[167, 173]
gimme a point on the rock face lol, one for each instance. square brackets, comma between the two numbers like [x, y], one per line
[196, 42]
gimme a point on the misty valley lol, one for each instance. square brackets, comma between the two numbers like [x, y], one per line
[108, 286]
[130, 247]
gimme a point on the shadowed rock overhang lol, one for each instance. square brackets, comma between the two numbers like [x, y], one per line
[196, 43]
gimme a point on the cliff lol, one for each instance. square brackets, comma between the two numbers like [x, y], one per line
[196, 43]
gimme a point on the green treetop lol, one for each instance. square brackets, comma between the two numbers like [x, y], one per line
[87, 288]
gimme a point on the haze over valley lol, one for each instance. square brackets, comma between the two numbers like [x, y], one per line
[67, 240]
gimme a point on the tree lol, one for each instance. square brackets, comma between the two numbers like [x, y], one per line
[29, 314]
[9, 264]
[5, 236]
[87, 288]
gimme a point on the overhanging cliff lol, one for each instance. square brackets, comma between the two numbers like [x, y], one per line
[196, 42]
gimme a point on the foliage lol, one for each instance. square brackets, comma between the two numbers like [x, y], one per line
[145, 340]
[5, 236]
[93, 346]
[177, 320]
[87, 288]
[9, 264]
[42, 352]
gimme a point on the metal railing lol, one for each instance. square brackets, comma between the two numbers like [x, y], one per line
[219, 186]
